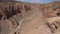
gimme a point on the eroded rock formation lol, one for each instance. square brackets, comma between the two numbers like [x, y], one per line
[9, 11]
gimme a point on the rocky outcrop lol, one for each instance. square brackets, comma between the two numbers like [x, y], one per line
[9, 11]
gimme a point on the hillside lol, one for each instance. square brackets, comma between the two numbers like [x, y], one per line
[12, 14]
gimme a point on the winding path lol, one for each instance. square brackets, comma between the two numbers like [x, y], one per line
[31, 16]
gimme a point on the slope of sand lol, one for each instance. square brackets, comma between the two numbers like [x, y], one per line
[36, 25]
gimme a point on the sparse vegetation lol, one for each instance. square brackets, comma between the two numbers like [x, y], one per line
[0, 30]
[16, 12]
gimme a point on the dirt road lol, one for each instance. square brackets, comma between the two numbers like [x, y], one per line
[35, 26]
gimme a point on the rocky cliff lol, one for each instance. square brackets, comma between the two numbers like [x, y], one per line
[12, 12]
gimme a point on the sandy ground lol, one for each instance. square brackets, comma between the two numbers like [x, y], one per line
[35, 26]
